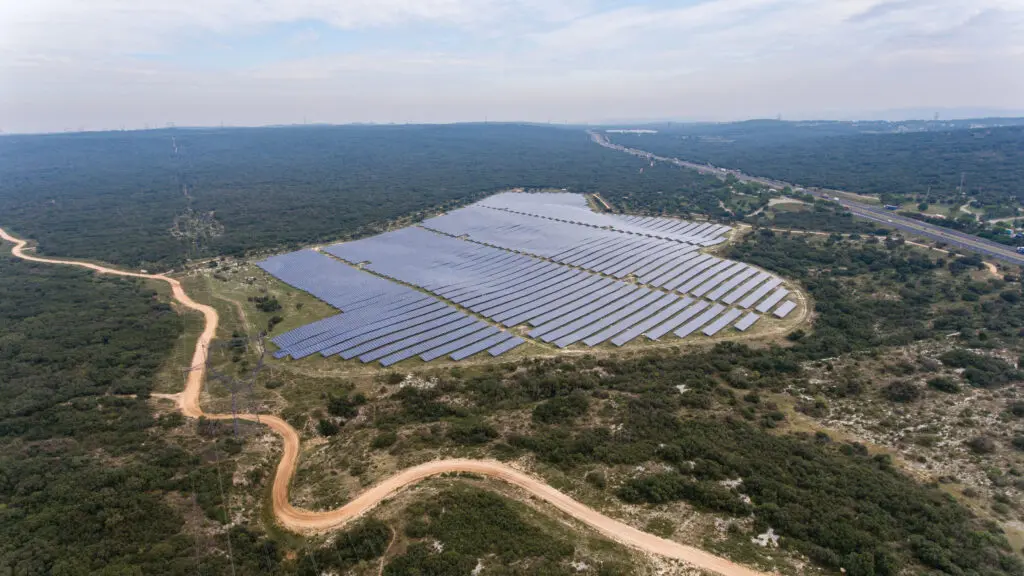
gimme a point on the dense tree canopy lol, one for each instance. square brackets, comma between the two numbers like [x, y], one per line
[153, 198]
[858, 157]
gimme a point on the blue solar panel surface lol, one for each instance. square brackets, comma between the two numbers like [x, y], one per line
[545, 259]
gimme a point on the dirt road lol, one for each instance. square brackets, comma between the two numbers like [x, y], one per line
[309, 521]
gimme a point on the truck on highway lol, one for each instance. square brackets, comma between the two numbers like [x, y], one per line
[891, 207]
[1020, 249]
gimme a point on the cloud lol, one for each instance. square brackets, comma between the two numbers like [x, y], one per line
[193, 61]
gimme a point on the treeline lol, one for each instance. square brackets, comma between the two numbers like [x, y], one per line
[154, 198]
[850, 157]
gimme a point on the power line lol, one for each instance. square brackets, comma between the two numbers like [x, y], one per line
[224, 506]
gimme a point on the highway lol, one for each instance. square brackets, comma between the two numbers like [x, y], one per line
[880, 215]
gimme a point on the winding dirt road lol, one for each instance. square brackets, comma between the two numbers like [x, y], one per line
[309, 521]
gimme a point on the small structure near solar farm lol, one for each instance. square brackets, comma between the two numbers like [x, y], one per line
[465, 282]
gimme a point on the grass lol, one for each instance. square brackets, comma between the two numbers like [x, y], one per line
[862, 198]
[944, 210]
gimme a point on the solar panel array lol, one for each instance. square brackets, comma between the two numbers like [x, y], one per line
[573, 276]
[573, 208]
[380, 320]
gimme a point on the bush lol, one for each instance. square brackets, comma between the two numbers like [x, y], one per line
[327, 427]
[384, 439]
[982, 445]
[561, 409]
[471, 431]
[596, 478]
[902, 391]
[943, 384]
[266, 303]
[345, 406]
[982, 371]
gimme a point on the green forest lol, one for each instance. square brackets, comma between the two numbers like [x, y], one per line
[85, 471]
[154, 198]
[859, 157]
[94, 480]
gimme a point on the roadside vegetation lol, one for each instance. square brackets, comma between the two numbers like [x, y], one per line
[926, 160]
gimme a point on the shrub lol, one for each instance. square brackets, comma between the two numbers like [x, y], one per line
[943, 384]
[981, 445]
[596, 478]
[327, 427]
[561, 409]
[902, 391]
[471, 431]
[384, 439]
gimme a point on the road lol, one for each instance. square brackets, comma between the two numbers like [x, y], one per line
[865, 211]
[310, 521]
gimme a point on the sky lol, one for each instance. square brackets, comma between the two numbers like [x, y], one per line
[108, 64]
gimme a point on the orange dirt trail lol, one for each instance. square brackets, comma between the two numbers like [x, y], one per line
[309, 521]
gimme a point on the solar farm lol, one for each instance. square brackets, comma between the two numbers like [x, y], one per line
[519, 267]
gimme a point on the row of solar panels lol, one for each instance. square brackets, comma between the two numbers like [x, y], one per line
[563, 305]
[389, 322]
[381, 320]
[573, 208]
[602, 251]
[434, 262]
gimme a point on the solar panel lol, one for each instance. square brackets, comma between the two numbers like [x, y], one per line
[784, 310]
[756, 295]
[594, 322]
[437, 329]
[672, 268]
[495, 258]
[481, 346]
[408, 352]
[746, 322]
[721, 322]
[364, 343]
[367, 324]
[459, 344]
[693, 325]
[731, 283]
[532, 310]
[505, 346]
[746, 287]
[540, 295]
[580, 316]
[326, 344]
[572, 302]
[697, 269]
[772, 300]
[513, 293]
[656, 304]
[669, 252]
[670, 324]
[658, 318]
[523, 282]
[699, 279]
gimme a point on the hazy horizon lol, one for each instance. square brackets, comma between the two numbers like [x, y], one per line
[108, 64]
